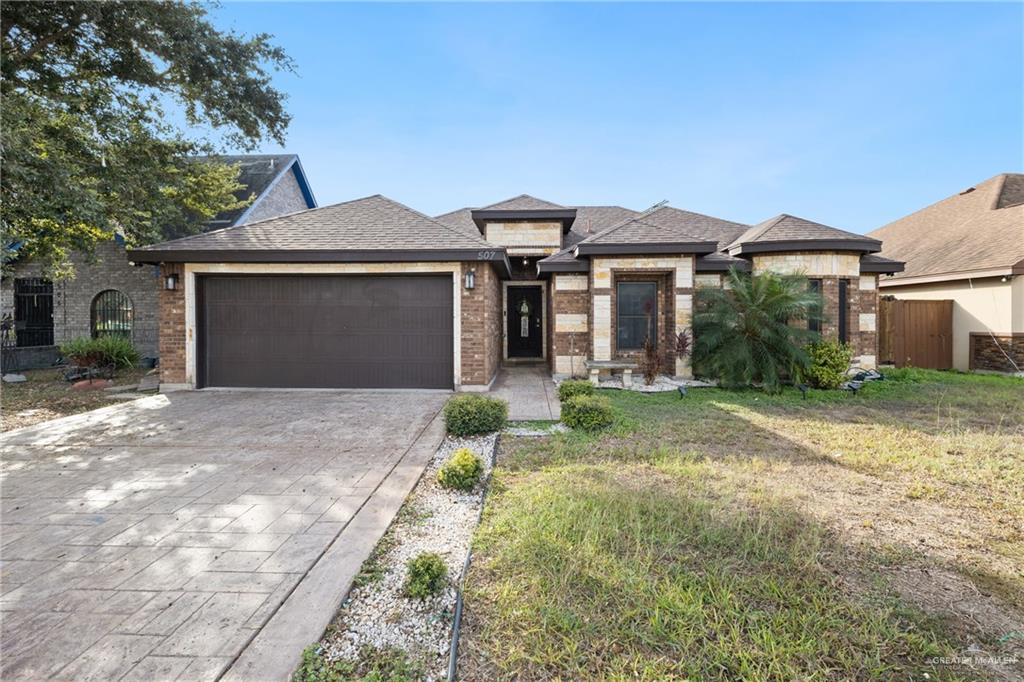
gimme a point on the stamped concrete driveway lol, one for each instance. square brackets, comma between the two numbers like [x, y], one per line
[196, 536]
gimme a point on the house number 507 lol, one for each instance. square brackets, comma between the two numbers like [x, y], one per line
[486, 255]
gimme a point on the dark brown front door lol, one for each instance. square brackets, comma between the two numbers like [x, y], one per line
[525, 326]
[325, 331]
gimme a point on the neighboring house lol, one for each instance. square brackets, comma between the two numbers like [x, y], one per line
[968, 248]
[108, 294]
[371, 293]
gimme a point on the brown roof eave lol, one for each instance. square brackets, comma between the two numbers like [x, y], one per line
[566, 216]
[595, 249]
[796, 245]
[494, 255]
[563, 266]
[883, 268]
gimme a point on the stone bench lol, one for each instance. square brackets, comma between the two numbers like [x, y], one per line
[595, 367]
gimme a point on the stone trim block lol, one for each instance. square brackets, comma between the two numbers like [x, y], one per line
[602, 327]
[571, 283]
[867, 322]
[570, 322]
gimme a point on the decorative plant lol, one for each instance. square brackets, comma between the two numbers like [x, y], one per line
[461, 471]
[744, 334]
[683, 345]
[470, 414]
[426, 575]
[104, 351]
[650, 361]
[573, 387]
[587, 412]
[829, 362]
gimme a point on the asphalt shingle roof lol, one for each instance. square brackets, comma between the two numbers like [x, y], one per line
[665, 225]
[523, 202]
[981, 228]
[785, 227]
[256, 173]
[372, 223]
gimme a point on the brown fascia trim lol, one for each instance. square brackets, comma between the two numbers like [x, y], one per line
[567, 216]
[563, 266]
[882, 268]
[702, 265]
[699, 248]
[941, 277]
[798, 245]
[494, 255]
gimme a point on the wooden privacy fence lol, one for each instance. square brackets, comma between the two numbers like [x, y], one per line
[916, 333]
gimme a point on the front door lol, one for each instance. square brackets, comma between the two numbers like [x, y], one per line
[525, 328]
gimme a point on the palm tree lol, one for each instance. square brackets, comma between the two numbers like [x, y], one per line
[743, 334]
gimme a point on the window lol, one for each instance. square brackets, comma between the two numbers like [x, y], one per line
[636, 314]
[843, 311]
[111, 314]
[814, 323]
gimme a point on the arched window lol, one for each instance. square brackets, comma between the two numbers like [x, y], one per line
[111, 314]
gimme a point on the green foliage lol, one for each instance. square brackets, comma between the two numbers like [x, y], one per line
[461, 471]
[574, 387]
[745, 336]
[100, 352]
[471, 414]
[374, 665]
[426, 575]
[587, 412]
[90, 90]
[829, 362]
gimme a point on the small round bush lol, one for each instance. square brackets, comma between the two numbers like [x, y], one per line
[573, 387]
[829, 362]
[471, 414]
[461, 471]
[587, 412]
[426, 575]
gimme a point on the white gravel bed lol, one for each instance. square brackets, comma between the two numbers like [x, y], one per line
[661, 384]
[434, 519]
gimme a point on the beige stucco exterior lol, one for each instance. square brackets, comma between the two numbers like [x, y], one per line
[979, 305]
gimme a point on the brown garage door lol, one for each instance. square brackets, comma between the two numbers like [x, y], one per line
[317, 331]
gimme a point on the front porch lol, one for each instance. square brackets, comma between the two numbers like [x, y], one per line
[529, 391]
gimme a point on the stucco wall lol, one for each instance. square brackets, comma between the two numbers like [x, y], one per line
[979, 305]
[108, 268]
[285, 197]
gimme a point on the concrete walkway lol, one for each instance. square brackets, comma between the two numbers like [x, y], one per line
[529, 391]
[198, 535]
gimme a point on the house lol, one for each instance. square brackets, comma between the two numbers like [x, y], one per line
[108, 294]
[968, 248]
[371, 293]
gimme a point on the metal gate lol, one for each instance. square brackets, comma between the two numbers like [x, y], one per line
[915, 333]
[33, 312]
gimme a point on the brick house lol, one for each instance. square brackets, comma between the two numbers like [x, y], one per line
[371, 293]
[108, 294]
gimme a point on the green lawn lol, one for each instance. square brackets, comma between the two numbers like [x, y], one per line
[737, 535]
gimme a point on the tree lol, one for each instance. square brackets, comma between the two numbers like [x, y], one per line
[744, 334]
[88, 135]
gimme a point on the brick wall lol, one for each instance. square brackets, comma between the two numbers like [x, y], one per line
[481, 326]
[570, 324]
[107, 268]
[991, 354]
[172, 327]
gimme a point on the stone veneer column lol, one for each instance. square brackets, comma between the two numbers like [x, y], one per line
[570, 308]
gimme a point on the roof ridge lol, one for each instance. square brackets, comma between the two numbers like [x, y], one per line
[619, 225]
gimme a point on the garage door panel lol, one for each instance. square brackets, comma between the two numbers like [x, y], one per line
[326, 331]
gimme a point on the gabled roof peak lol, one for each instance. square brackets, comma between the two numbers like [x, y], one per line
[523, 202]
[786, 232]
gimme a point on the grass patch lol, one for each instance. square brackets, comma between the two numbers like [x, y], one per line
[741, 535]
[374, 665]
[644, 571]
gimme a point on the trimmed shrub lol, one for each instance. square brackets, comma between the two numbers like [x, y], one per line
[587, 412]
[101, 352]
[574, 387]
[829, 362]
[426, 575]
[461, 471]
[471, 414]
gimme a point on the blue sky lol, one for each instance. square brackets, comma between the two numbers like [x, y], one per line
[848, 114]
